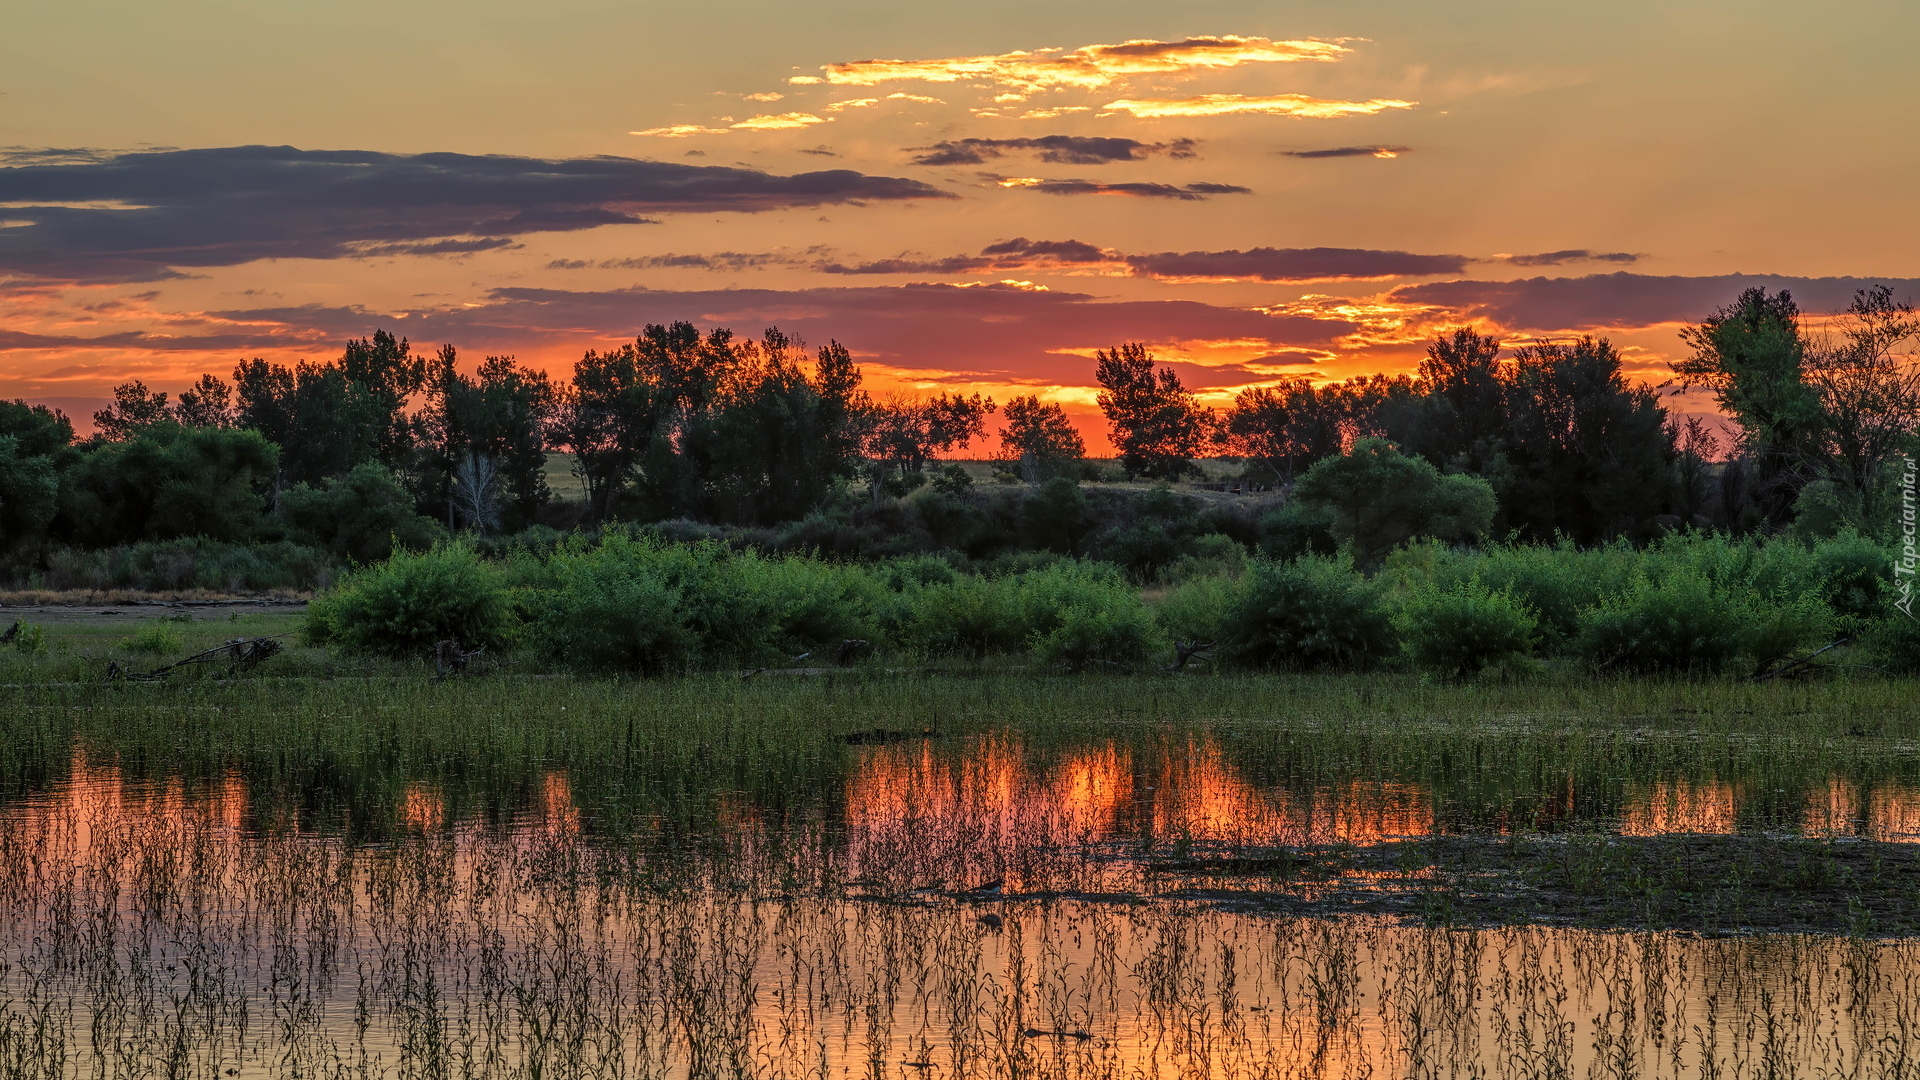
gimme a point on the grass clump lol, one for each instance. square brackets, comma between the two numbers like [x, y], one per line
[156, 638]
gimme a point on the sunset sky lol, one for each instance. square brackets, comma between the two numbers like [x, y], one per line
[969, 197]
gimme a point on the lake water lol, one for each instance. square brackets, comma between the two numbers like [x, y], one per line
[965, 907]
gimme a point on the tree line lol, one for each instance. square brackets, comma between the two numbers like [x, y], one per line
[387, 444]
[1822, 418]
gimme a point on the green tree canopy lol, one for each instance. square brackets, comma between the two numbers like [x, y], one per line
[1376, 498]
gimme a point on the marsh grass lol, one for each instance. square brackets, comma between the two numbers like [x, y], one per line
[359, 871]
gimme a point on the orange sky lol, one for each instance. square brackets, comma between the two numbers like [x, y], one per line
[971, 201]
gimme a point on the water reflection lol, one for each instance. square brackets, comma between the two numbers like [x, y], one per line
[156, 928]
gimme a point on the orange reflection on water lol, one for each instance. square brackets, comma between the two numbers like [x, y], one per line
[422, 808]
[557, 810]
[1667, 807]
[1893, 813]
[1888, 811]
[992, 793]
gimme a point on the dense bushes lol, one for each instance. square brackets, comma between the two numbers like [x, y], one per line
[401, 607]
[195, 563]
[1463, 630]
[640, 604]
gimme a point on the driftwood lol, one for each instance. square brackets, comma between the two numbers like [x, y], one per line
[745, 675]
[239, 654]
[1186, 652]
[1794, 669]
[449, 658]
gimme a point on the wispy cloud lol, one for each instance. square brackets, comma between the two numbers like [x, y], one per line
[1059, 149]
[230, 205]
[1560, 258]
[779, 122]
[1253, 264]
[679, 131]
[1189, 192]
[719, 260]
[1301, 105]
[1088, 67]
[1350, 151]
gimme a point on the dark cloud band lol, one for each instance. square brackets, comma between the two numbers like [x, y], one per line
[1349, 151]
[137, 216]
[998, 330]
[1600, 301]
[1058, 149]
[1252, 264]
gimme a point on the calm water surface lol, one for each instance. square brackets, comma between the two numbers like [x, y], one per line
[931, 909]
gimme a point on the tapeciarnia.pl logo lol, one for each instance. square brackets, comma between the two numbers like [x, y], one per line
[1903, 570]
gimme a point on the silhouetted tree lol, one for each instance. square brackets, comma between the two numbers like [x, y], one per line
[207, 403]
[904, 434]
[1156, 423]
[1286, 427]
[1868, 387]
[1038, 441]
[34, 445]
[1463, 424]
[1590, 454]
[134, 409]
[714, 428]
[328, 418]
[1753, 355]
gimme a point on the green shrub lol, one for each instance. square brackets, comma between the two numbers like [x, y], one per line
[402, 606]
[1855, 575]
[1114, 633]
[190, 563]
[1293, 531]
[650, 608]
[1556, 583]
[30, 639]
[1678, 623]
[971, 616]
[1892, 643]
[1311, 612]
[1082, 612]
[1461, 630]
[1199, 609]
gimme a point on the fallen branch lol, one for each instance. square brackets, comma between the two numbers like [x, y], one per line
[1804, 665]
[240, 654]
[450, 659]
[1187, 651]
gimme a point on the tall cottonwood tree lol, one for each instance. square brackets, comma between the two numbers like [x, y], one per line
[1157, 424]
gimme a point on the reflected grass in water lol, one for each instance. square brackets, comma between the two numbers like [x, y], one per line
[553, 878]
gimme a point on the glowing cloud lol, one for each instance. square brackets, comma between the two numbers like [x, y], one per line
[1272, 105]
[1088, 67]
[780, 121]
[679, 131]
